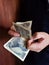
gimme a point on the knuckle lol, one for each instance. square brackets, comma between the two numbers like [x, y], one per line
[38, 50]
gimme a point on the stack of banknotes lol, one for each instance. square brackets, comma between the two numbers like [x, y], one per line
[18, 45]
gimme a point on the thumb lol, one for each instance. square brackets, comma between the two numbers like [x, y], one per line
[30, 42]
[34, 47]
[13, 33]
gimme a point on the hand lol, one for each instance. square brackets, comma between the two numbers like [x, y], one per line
[38, 42]
[13, 32]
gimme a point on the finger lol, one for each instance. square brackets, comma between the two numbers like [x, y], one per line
[34, 41]
[39, 35]
[13, 33]
[37, 46]
[34, 47]
[30, 41]
[13, 28]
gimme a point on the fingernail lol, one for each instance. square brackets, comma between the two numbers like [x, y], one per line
[16, 34]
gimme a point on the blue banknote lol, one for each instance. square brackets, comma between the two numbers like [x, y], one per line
[17, 46]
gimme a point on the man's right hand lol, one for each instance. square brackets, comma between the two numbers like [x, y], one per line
[13, 32]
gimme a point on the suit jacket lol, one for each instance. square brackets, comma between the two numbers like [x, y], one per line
[36, 10]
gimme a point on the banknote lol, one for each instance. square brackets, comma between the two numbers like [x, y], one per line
[16, 46]
[23, 32]
[24, 28]
[26, 24]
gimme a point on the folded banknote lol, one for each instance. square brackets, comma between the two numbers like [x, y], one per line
[26, 24]
[24, 28]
